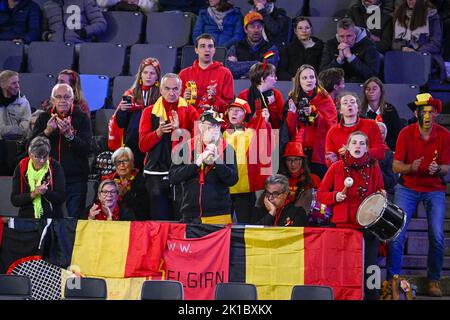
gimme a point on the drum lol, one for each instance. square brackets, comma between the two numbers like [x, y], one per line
[383, 219]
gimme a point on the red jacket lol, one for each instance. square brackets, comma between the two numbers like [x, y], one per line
[275, 109]
[314, 136]
[338, 134]
[344, 213]
[215, 73]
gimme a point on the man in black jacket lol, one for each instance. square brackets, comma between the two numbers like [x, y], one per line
[352, 51]
[69, 131]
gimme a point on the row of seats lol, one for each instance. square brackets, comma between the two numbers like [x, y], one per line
[18, 287]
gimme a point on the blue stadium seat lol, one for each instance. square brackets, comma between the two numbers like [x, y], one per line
[95, 89]
[162, 290]
[235, 291]
[324, 28]
[188, 55]
[354, 87]
[400, 95]
[123, 27]
[161, 26]
[36, 87]
[407, 67]
[50, 57]
[120, 84]
[167, 56]
[307, 292]
[284, 87]
[329, 8]
[240, 84]
[11, 56]
[102, 58]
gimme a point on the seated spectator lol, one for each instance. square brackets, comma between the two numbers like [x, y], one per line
[352, 51]
[262, 93]
[143, 93]
[212, 81]
[333, 81]
[417, 28]
[380, 28]
[206, 173]
[20, 21]
[222, 21]
[107, 207]
[60, 24]
[182, 5]
[386, 6]
[390, 179]
[276, 22]
[38, 186]
[374, 106]
[72, 78]
[145, 6]
[245, 137]
[310, 113]
[253, 48]
[443, 8]
[303, 49]
[132, 192]
[335, 142]
[275, 209]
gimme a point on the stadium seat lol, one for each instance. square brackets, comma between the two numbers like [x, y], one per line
[167, 56]
[86, 289]
[400, 95]
[50, 57]
[37, 87]
[312, 293]
[120, 85]
[244, 5]
[6, 207]
[11, 56]
[292, 7]
[324, 28]
[95, 89]
[123, 27]
[354, 87]
[407, 67]
[162, 290]
[161, 26]
[284, 87]
[188, 55]
[329, 8]
[240, 85]
[102, 58]
[235, 291]
[102, 117]
[14, 287]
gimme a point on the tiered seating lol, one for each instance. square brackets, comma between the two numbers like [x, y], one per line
[120, 84]
[11, 55]
[37, 87]
[324, 28]
[169, 28]
[167, 56]
[102, 59]
[329, 8]
[407, 67]
[95, 90]
[188, 55]
[123, 27]
[50, 57]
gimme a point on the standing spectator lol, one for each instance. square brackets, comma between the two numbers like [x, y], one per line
[276, 22]
[242, 55]
[417, 28]
[262, 93]
[380, 28]
[303, 49]
[20, 21]
[333, 81]
[15, 114]
[63, 27]
[367, 179]
[335, 142]
[352, 51]
[222, 21]
[182, 5]
[422, 157]
[213, 82]
[158, 122]
[206, 173]
[374, 106]
[132, 192]
[145, 6]
[143, 93]
[310, 114]
[38, 186]
[72, 78]
[390, 179]
[69, 131]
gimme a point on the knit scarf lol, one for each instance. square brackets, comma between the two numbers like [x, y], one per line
[35, 179]
[126, 183]
[257, 99]
[406, 34]
[218, 16]
[360, 166]
[160, 111]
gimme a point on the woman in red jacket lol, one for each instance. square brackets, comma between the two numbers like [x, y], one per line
[367, 179]
[310, 114]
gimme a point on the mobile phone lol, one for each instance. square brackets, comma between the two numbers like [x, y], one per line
[126, 99]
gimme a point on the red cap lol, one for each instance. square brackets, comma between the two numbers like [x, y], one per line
[293, 149]
[240, 103]
[251, 17]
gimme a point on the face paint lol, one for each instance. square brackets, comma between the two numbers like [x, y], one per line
[426, 115]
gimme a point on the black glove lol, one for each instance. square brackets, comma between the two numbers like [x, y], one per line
[82, 33]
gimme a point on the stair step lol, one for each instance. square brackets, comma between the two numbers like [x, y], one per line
[419, 246]
[417, 262]
[418, 224]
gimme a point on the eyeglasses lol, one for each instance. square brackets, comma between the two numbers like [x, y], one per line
[120, 162]
[274, 194]
[59, 97]
[42, 158]
[110, 193]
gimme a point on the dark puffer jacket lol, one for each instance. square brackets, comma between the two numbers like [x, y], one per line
[22, 22]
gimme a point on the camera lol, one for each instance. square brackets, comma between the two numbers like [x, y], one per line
[126, 99]
[302, 104]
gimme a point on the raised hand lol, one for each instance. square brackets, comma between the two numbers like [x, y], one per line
[416, 163]
[95, 210]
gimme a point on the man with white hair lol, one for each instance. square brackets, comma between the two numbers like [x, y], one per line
[69, 131]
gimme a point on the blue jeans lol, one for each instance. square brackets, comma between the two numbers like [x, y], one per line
[76, 198]
[434, 203]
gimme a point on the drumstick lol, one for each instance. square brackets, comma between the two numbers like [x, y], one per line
[348, 182]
